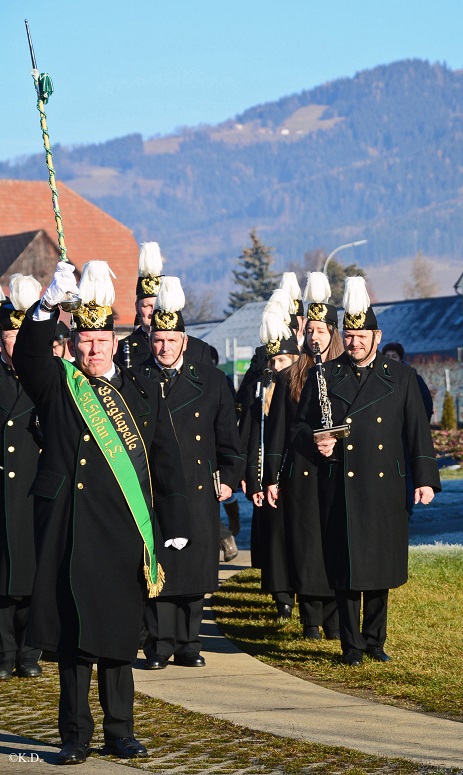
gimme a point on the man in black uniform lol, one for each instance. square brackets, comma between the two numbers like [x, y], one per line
[135, 348]
[203, 415]
[363, 495]
[109, 453]
[19, 453]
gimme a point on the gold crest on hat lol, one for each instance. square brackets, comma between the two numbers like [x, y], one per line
[273, 348]
[150, 285]
[353, 322]
[92, 315]
[317, 312]
[16, 318]
[167, 321]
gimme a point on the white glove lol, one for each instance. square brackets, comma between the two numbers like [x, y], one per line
[177, 543]
[63, 282]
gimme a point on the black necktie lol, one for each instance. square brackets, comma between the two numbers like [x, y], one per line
[169, 373]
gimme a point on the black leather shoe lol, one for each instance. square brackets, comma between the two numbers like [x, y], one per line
[6, 669]
[285, 611]
[125, 748]
[378, 654]
[156, 662]
[313, 633]
[353, 658]
[28, 668]
[73, 753]
[332, 634]
[191, 659]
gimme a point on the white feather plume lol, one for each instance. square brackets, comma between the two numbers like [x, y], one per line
[289, 283]
[317, 289]
[96, 284]
[171, 297]
[150, 260]
[273, 324]
[2, 295]
[281, 296]
[356, 298]
[24, 290]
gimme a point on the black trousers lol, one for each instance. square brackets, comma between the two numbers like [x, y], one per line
[372, 632]
[115, 690]
[173, 625]
[313, 611]
[14, 615]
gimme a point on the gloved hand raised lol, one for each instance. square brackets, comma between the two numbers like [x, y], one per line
[63, 282]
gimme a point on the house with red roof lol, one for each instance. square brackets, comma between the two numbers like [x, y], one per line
[28, 237]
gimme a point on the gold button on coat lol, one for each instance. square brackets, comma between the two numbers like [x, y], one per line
[80, 486]
[198, 462]
[350, 446]
[306, 473]
[196, 414]
[10, 449]
[10, 422]
[198, 438]
[86, 437]
[12, 474]
[381, 474]
[380, 446]
[350, 473]
[145, 423]
[349, 420]
[83, 462]
[200, 487]
[379, 419]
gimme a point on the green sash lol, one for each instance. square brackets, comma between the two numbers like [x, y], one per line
[111, 424]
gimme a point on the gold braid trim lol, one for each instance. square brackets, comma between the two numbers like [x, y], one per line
[154, 589]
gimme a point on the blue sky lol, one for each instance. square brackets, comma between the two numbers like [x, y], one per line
[151, 66]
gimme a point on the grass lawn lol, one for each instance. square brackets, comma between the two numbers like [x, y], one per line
[425, 637]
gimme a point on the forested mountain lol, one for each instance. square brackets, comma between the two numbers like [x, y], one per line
[378, 156]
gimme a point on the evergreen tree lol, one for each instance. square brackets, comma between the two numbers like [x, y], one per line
[254, 278]
[449, 415]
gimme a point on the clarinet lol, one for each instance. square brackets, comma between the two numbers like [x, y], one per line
[127, 362]
[325, 404]
[327, 429]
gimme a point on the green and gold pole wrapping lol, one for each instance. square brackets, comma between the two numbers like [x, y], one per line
[44, 89]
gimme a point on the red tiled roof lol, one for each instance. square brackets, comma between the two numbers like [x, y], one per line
[25, 205]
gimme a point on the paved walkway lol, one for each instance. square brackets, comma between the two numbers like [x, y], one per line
[236, 687]
[240, 689]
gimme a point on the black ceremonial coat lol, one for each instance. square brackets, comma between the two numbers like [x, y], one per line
[298, 481]
[268, 540]
[89, 589]
[363, 496]
[140, 350]
[19, 453]
[203, 414]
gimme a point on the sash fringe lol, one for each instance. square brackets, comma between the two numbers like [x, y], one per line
[154, 589]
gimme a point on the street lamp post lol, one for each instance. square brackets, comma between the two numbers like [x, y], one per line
[342, 247]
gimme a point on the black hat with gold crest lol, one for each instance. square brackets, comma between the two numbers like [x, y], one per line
[24, 291]
[275, 332]
[167, 315]
[317, 293]
[96, 290]
[149, 270]
[358, 313]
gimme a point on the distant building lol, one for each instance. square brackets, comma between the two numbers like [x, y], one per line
[27, 224]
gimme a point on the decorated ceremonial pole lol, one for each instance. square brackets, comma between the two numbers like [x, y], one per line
[44, 89]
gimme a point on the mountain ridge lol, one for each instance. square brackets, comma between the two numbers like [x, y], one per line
[378, 156]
